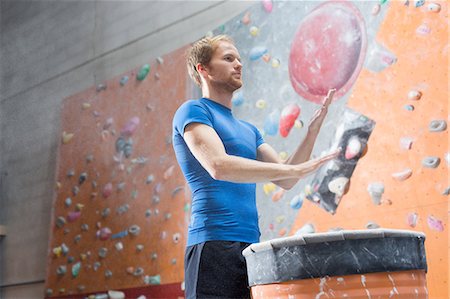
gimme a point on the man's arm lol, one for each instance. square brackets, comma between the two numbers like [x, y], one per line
[303, 152]
[208, 149]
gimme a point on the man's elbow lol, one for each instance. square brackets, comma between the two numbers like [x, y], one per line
[217, 169]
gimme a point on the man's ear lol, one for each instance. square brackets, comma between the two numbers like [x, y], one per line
[202, 70]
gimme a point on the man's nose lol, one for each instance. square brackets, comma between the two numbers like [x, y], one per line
[238, 64]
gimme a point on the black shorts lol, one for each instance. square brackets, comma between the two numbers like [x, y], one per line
[216, 269]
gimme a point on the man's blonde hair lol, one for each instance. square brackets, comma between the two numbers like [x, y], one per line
[202, 52]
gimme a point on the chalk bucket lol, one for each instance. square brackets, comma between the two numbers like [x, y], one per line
[378, 263]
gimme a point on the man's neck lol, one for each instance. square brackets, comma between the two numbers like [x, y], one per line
[221, 97]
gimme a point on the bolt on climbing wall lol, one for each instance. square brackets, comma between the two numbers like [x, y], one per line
[388, 61]
[120, 205]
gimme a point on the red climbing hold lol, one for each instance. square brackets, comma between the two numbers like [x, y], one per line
[288, 117]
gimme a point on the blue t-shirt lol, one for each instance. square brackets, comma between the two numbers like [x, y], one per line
[221, 210]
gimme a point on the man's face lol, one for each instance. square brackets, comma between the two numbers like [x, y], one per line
[224, 69]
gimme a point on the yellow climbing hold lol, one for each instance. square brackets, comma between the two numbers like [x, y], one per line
[260, 104]
[283, 155]
[254, 31]
[269, 188]
[86, 106]
[66, 137]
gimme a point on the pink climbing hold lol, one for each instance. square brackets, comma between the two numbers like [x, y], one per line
[278, 195]
[435, 224]
[288, 117]
[327, 51]
[130, 127]
[107, 190]
[72, 216]
[268, 5]
[104, 233]
[412, 219]
[169, 172]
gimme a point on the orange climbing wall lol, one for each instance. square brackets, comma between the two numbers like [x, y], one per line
[422, 65]
[148, 189]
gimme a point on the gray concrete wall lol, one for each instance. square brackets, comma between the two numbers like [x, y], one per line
[50, 50]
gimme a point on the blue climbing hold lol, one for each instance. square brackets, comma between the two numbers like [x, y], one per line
[271, 123]
[257, 52]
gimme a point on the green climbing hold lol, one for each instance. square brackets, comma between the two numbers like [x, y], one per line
[383, 1]
[143, 72]
[76, 269]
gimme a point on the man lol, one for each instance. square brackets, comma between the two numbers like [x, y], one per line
[222, 158]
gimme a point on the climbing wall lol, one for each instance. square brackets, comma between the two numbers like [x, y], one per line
[120, 205]
[388, 61]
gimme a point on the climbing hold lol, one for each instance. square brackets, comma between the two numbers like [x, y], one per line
[167, 216]
[130, 127]
[101, 87]
[431, 162]
[176, 190]
[376, 9]
[297, 201]
[280, 219]
[402, 175]
[376, 190]
[68, 202]
[156, 199]
[49, 292]
[107, 190]
[61, 270]
[237, 99]
[383, 1]
[134, 194]
[409, 107]
[118, 246]
[108, 274]
[271, 123]
[120, 186]
[338, 186]
[353, 148]
[275, 62]
[412, 219]
[57, 251]
[176, 238]
[379, 58]
[104, 233]
[268, 188]
[122, 209]
[446, 191]
[120, 235]
[84, 227]
[435, 224]
[163, 235]
[246, 18]
[260, 104]
[70, 259]
[148, 213]
[70, 173]
[266, 57]
[447, 158]
[168, 173]
[138, 272]
[75, 190]
[287, 119]
[437, 125]
[96, 266]
[139, 247]
[134, 230]
[77, 238]
[85, 106]
[282, 232]
[406, 143]
[157, 76]
[82, 178]
[123, 80]
[149, 179]
[139, 160]
[154, 280]
[154, 256]
[106, 212]
[267, 5]
[298, 124]
[414, 95]
[254, 31]
[308, 228]
[423, 29]
[67, 137]
[89, 158]
[419, 3]
[372, 225]
[257, 52]
[76, 269]
[143, 72]
[434, 7]
[278, 195]
[72, 216]
[102, 252]
[130, 270]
